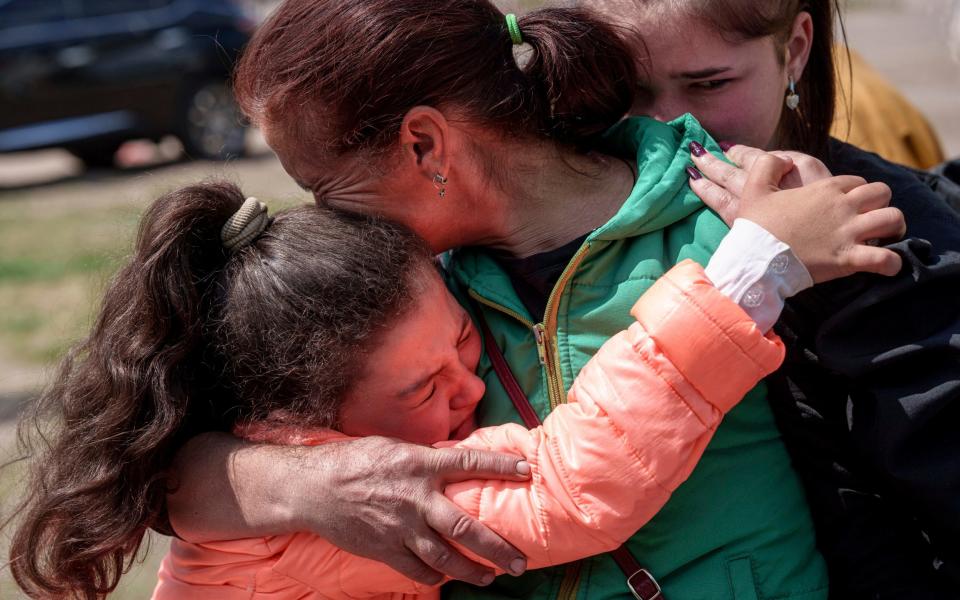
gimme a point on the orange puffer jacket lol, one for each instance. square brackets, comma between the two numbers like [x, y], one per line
[638, 419]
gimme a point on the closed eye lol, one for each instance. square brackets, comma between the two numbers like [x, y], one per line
[710, 84]
[433, 389]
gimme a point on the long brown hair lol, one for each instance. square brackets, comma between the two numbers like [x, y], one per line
[190, 338]
[806, 129]
[339, 75]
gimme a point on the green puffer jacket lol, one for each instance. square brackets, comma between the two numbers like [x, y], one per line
[739, 528]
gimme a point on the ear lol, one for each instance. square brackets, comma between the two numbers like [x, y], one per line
[799, 44]
[425, 141]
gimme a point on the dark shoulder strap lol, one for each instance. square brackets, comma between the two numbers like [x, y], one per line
[639, 580]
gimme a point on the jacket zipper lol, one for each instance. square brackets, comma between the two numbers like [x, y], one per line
[548, 354]
[549, 330]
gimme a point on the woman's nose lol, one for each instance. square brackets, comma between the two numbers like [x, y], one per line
[668, 104]
[469, 392]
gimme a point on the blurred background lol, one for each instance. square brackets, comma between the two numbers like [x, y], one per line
[106, 104]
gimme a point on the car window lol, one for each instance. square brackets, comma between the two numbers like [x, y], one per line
[30, 12]
[97, 8]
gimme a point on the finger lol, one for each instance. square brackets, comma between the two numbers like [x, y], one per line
[881, 224]
[868, 259]
[409, 565]
[441, 557]
[745, 156]
[871, 196]
[453, 524]
[727, 176]
[720, 200]
[844, 183]
[765, 174]
[456, 464]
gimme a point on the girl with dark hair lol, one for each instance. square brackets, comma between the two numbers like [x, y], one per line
[316, 326]
[562, 214]
[871, 379]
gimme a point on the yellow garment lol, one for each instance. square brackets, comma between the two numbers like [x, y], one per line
[883, 120]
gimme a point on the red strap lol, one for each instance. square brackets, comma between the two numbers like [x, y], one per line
[507, 378]
[639, 580]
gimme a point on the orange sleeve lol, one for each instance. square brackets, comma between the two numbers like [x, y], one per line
[638, 418]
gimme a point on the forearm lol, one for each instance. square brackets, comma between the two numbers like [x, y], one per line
[638, 418]
[228, 489]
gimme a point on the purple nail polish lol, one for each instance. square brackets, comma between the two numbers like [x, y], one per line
[697, 149]
[693, 173]
[726, 145]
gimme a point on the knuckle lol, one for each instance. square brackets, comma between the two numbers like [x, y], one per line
[470, 460]
[461, 528]
[439, 557]
[893, 216]
[726, 174]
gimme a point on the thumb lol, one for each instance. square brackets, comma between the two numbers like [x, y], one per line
[765, 175]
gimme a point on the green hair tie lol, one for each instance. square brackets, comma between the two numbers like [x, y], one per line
[514, 28]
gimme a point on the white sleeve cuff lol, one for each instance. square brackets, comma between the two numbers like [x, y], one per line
[757, 271]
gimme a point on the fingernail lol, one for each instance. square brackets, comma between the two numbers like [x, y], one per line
[523, 467]
[518, 566]
[726, 145]
[693, 173]
[486, 579]
[697, 149]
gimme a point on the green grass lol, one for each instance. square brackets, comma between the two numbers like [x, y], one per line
[52, 267]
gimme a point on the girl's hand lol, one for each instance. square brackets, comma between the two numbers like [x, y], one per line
[830, 223]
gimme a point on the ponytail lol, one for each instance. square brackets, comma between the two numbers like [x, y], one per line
[191, 338]
[342, 74]
[120, 401]
[582, 73]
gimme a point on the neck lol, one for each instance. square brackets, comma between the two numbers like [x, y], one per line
[553, 198]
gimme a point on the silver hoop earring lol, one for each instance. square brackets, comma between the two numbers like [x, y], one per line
[793, 98]
[440, 182]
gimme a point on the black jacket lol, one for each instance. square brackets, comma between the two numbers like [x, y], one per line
[869, 404]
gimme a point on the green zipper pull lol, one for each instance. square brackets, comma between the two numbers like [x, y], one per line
[540, 334]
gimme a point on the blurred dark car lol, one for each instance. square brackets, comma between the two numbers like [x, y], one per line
[88, 75]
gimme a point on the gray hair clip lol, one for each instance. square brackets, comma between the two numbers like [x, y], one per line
[245, 225]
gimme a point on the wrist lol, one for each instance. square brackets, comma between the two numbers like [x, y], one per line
[303, 494]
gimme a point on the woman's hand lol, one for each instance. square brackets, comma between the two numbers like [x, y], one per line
[389, 496]
[830, 223]
[374, 497]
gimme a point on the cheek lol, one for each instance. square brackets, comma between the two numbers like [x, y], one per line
[428, 427]
[742, 115]
[419, 425]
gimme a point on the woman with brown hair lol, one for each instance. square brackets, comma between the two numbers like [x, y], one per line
[420, 112]
[871, 381]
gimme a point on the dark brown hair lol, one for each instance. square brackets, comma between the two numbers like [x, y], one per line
[189, 338]
[339, 75]
[806, 129]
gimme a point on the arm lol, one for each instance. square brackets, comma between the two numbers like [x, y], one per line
[891, 349]
[374, 497]
[639, 416]
[867, 397]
